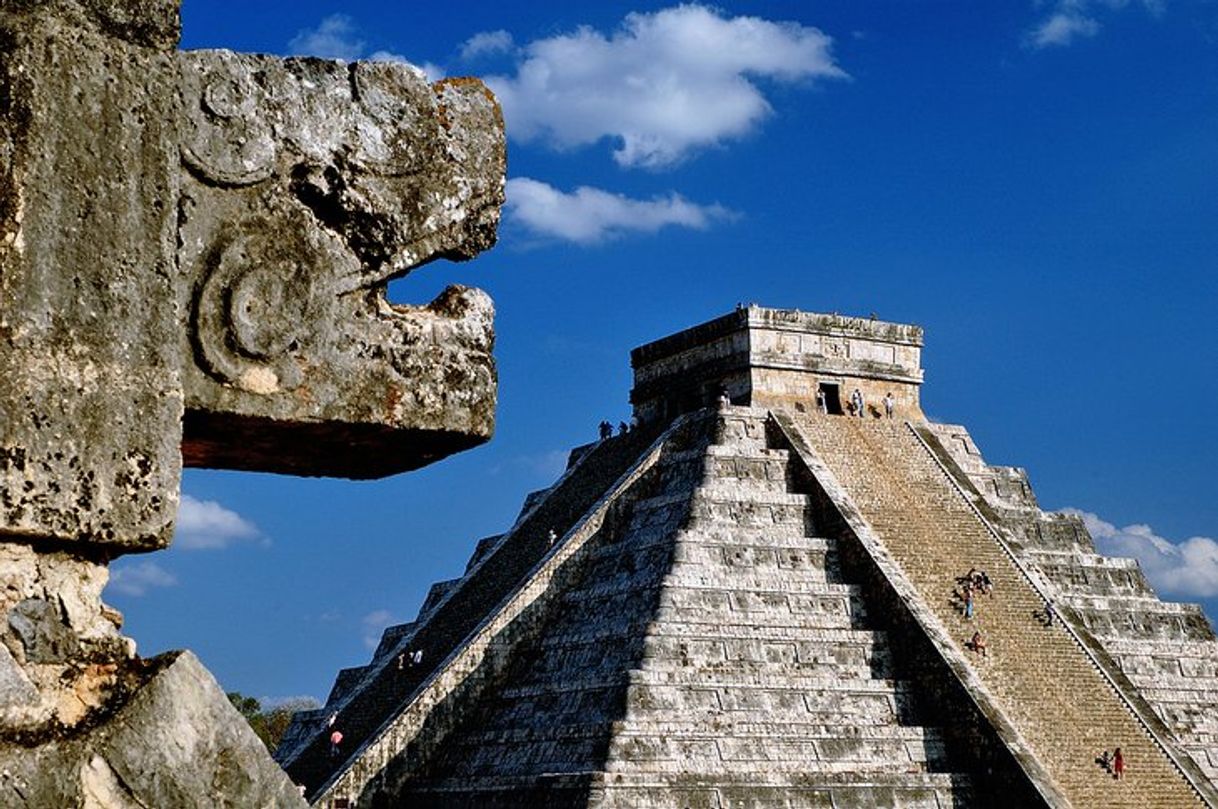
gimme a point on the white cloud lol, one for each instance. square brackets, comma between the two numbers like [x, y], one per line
[663, 85]
[302, 702]
[487, 43]
[207, 525]
[1062, 28]
[548, 465]
[430, 71]
[1075, 19]
[1188, 568]
[137, 578]
[334, 38]
[374, 624]
[589, 215]
[337, 37]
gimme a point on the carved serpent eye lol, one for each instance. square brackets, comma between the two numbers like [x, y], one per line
[230, 143]
[228, 96]
[265, 289]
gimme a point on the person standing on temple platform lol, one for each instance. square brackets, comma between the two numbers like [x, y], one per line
[889, 404]
[856, 399]
[822, 403]
[606, 430]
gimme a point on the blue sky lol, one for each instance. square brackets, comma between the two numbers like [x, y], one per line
[1035, 183]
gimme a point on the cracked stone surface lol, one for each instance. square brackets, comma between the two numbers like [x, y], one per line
[194, 252]
[177, 743]
[306, 186]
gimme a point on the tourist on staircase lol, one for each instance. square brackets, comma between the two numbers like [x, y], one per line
[336, 738]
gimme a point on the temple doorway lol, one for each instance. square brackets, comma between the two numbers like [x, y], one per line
[833, 399]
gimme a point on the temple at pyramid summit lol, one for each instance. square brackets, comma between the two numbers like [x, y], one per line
[761, 597]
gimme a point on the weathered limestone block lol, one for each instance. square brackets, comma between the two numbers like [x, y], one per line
[61, 653]
[90, 397]
[307, 186]
[194, 250]
[177, 743]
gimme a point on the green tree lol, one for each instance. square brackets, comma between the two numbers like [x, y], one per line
[270, 725]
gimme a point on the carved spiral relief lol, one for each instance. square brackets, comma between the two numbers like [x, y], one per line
[257, 305]
[225, 140]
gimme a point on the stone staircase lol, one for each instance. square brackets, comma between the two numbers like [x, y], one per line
[1057, 700]
[1168, 651]
[711, 654]
[365, 698]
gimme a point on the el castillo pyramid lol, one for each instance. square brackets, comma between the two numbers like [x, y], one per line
[753, 601]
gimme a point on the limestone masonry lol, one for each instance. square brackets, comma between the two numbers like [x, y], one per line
[194, 249]
[755, 604]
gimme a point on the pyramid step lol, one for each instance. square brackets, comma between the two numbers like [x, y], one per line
[754, 540]
[837, 607]
[743, 494]
[772, 470]
[1185, 687]
[790, 580]
[638, 743]
[744, 671]
[794, 729]
[1203, 699]
[762, 534]
[593, 663]
[853, 657]
[1206, 651]
[722, 593]
[788, 559]
[770, 678]
[708, 727]
[748, 452]
[749, 632]
[785, 521]
[696, 617]
[769, 689]
[1076, 558]
[907, 790]
[679, 757]
[660, 502]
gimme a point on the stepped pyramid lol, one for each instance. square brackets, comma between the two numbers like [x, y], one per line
[753, 604]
